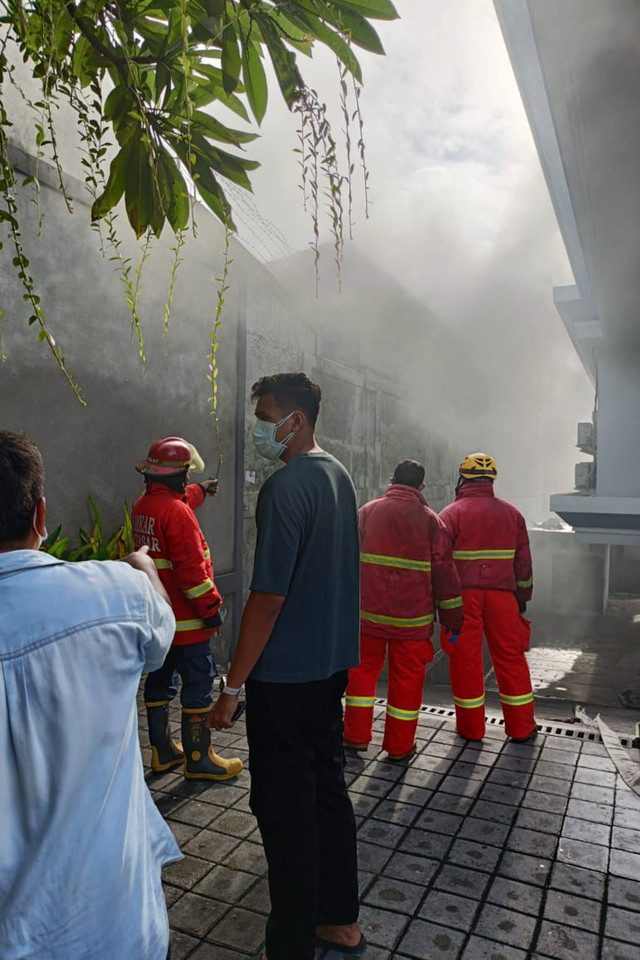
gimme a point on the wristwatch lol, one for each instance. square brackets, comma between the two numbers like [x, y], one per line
[231, 691]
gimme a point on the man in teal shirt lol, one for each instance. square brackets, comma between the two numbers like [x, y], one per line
[299, 636]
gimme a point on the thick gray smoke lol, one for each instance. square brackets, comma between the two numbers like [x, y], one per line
[462, 223]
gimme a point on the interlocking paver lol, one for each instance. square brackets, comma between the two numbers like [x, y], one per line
[596, 763]
[622, 925]
[573, 911]
[500, 793]
[586, 830]
[449, 910]
[372, 858]
[467, 883]
[195, 914]
[439, 822]
[555, 771]
[587, 810]
[559, 754]
[183, 832]
[615, 950]
[566, 943]
[508, 761]
[510, 778]
[471, 854]
[363, 804]
[450, 804]
[627, 839]
[186, 873]
[480, 949]
[434, 845]
[240, 929]
[599, 778]
[372, 786]
[593, 793]
[236, 823]
[257, 898]
[543, 784]
[171, 894]
[211, 951]
[381, 927]
[484, 831]
[428, 941]
[496, 812]
[381, 833]
[540, 820]
[585, 883]
[228, 886]
[592, 856]
[624, 893]
[393, 894]
[470, 771]
[519, 866]
[515, 896]
[248, 856]
[405, 866]
[506, 926]
[625, 798]
[392, 811]
[197, 813]
[532, 842]
[209, 845]
[181, 945]
[624, 817]
[432, 764]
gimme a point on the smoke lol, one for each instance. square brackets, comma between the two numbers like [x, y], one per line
[461, 220]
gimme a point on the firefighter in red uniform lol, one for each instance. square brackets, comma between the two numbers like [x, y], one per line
[491, 552]
[164, 520]
[406, 571]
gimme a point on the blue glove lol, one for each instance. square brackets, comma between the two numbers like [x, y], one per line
[453, 636]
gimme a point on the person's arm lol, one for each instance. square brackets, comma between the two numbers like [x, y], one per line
[523, 566]
[444, 576]
[140, 560]
[158, 630]
[190, 569]
[258, 620]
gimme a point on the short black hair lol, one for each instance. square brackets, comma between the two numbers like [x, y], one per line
[21, 485]
[291, 391]
[410, 473]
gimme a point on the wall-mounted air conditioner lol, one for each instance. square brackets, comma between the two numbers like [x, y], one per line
[585, 476]
[586, 438]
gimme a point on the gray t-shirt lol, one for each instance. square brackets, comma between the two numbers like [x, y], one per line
[308, 552]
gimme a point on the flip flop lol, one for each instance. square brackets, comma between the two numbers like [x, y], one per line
[340, 948]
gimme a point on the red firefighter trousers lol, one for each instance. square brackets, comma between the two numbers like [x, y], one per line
[494, 613]
[407, 667]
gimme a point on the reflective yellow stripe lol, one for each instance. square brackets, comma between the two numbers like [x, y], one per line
[162, 564]
[450, 604]
[523, 584]
[189, 625]
[399, 714]
[397, 621]
[484, 554]
[382, 561]
[360, 701]
[203, 587]
[207, 554]
[469, 704]
[520, 701]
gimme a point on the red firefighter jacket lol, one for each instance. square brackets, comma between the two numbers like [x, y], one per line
[490, 541]
[406, 568]
[164, 520]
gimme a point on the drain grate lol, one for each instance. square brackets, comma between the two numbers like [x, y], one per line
[575, 731]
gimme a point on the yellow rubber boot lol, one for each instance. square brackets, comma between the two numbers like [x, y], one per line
[165, 752]
[202, 763]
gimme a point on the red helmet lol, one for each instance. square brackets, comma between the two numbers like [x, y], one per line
[166, 457]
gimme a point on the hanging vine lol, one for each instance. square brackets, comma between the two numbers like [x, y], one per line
[167, 69]
[212, 357]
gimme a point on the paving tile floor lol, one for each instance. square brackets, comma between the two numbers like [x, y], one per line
[486, 851]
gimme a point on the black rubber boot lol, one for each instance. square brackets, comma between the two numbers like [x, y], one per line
[202, 763]
[165, 752]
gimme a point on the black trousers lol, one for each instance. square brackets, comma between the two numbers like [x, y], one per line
[300, 800]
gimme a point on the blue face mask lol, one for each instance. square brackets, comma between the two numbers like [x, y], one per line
[264, 438]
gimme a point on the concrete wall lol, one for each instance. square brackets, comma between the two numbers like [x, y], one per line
[568, 576]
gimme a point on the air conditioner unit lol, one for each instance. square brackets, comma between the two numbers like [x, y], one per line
[586, 438]
[585, 476]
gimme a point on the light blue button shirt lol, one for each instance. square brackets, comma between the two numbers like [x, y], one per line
[81, 841]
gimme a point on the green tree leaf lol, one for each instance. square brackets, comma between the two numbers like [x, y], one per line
[255, 81]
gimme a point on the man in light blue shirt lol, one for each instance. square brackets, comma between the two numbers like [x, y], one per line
[81, 842]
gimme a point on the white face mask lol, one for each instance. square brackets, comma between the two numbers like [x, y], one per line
[264, 438]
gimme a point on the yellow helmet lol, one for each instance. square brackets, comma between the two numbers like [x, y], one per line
[476, 465]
